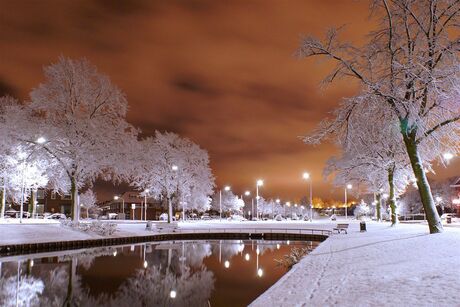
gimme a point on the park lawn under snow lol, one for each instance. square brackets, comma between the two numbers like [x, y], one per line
[386, 266]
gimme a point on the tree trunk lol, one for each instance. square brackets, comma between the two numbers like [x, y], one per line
[392, 199]
[2, 201]
[74, 199]
[434, 222]
[169, 210]
[378, 206]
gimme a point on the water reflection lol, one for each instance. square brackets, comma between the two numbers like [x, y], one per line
[176, 273]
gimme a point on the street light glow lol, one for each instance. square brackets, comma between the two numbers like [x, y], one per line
[41, 140]
[174, 167]
[306, 176]
[278, 200]
[288, 204]
[349, 186]
[146, 190]
[116, 197]
[247, 193]
[145, 264]
[227, 188]
[260, 182]
[448, 156]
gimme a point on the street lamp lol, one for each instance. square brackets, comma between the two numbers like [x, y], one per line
[226, 188]
[133, 207]
[306, 176]
[287, 204]
[116, 197]
[348, 187]
[259, 183]
[146, 191]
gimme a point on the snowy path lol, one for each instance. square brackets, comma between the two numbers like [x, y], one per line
[14, 233]
[385, 266]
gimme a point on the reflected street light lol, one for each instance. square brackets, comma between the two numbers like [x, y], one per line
[247, 257]
[260, 272]
[227, 264]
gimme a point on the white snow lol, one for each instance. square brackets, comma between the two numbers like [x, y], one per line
[385, 266]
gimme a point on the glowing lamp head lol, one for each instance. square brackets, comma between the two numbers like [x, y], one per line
[247, 193]
[349, 186]
[306, 176]
[174, 167]
[146, 190]
[448, 156]
[227, 188]
[278, 200]
[116, 197]
[288, 204]
[145, 264]
[260, 182]
[41, 140]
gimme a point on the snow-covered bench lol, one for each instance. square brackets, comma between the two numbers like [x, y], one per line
[341, 227]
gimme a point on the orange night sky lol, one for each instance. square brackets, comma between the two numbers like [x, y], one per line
[222, 73]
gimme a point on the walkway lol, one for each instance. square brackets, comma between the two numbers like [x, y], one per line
[400, 266]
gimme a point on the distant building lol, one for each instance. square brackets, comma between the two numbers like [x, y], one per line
[154, 206]
[49, 202]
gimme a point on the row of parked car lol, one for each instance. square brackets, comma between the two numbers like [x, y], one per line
[16, 214]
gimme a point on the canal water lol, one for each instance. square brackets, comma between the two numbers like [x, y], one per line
[173, 273]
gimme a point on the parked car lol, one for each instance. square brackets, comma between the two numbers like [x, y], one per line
[56, 216]
[164, 217]
[279, 218]
[205, 217]
[236, 217]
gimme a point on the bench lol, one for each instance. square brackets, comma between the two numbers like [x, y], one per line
[341, 227]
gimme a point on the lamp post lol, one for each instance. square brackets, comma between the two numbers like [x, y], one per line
[348, 187]
[306, 176]
[247, 193]
[133, 207]
[259, 183]
[116, 197]
[226, 188]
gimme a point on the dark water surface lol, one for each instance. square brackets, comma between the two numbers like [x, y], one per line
[175, 273]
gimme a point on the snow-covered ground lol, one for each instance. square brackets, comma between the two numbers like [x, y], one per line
[385, 266]
[40, 231]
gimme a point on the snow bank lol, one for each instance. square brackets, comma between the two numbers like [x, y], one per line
[400, 266]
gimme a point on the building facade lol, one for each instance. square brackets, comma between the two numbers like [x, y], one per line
[133, 199]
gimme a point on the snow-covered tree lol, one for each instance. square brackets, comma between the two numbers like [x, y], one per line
[230, 202]
[174, 169]
[411, 64]
[81, 114]
[374, 158]
[362, 209]
[88, 201]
